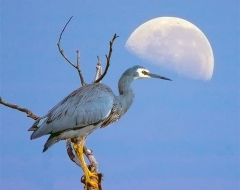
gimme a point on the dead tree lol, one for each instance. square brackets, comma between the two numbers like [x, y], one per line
[93, 165]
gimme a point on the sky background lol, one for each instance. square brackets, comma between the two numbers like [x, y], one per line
[179, 135]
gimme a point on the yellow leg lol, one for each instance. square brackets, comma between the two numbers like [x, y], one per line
[91, 177]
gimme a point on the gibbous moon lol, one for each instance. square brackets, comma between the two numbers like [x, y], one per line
[175, 44]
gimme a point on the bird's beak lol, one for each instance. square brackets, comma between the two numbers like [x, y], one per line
[157, 76]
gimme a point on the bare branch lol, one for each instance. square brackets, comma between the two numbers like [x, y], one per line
[64, 56]
[98, 69]
[108, 58]
[71, 154]
[25, 110]
[59, 46]
[79, 70]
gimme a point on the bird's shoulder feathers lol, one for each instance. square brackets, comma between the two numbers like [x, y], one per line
[85, 106]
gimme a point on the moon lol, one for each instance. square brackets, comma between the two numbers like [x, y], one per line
[175, 44]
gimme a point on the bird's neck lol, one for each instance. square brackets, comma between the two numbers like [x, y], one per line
[124, 85]
[126, 94]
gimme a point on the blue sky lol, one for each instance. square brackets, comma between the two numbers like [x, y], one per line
[179, 135]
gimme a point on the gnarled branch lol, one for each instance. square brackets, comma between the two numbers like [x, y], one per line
[98, 77]
[25, 110]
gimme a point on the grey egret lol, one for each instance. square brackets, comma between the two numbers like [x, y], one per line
[86, 109]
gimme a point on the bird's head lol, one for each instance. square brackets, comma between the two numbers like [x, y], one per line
[138, 72]
[133, 73]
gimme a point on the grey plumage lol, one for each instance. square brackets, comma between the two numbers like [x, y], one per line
[88, 108]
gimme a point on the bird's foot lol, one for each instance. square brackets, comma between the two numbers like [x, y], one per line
[90, 179]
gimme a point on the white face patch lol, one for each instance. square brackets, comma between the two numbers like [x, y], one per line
[141, 73]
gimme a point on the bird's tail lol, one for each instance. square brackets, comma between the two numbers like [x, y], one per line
[50, 142]
[35, 125]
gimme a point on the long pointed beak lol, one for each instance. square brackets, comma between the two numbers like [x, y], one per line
[158, 76]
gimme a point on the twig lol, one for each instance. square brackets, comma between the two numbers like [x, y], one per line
[59, 46]
[108, 57]
[62, 53]
[79, 70]
[25, 110]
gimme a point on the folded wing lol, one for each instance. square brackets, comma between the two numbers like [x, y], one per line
[88, 105]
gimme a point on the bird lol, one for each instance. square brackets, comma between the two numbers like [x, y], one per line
[86, 109]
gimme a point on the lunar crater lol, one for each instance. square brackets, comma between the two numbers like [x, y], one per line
[175, 44]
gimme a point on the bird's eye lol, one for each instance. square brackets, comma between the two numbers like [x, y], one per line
[144, 72]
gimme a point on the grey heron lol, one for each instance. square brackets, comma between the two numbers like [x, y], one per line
[86, 109]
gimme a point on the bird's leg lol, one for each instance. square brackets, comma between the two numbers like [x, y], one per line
[91, 178]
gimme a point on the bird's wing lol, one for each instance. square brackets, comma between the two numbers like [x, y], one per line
[87, 105]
